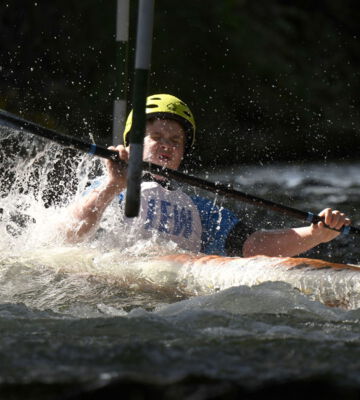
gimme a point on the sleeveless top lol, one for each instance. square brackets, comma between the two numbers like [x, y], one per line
[194, 223]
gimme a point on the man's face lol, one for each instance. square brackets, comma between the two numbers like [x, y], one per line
[164, 143]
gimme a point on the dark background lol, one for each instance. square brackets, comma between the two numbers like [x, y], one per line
[267, 80]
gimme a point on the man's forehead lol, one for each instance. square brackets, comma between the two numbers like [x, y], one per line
[165, 125]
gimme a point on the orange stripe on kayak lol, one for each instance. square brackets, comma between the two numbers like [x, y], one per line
[321, 264]
[289, 262]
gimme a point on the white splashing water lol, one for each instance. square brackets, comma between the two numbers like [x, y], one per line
[35, 187]
[39, 183]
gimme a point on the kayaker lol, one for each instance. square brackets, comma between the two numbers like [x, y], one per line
[192, 222]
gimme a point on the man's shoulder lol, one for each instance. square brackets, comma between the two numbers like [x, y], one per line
[206, 205]
[203, 203]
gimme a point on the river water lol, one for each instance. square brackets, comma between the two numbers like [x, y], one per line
[80, 322]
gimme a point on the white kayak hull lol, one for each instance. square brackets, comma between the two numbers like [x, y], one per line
[336, 285]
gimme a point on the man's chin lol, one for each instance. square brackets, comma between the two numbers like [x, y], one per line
[161, 163]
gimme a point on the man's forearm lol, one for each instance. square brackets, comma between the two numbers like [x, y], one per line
[85, 216]
[280, 243]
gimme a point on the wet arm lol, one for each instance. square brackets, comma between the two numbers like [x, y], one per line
[86, 215]
[280, 243]
[291, 242]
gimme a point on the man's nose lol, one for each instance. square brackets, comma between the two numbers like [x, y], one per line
[166, 142]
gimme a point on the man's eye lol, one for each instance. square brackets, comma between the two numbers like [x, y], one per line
[155, 137]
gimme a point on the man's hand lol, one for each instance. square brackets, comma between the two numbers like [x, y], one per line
[116, 172]
[333, 219]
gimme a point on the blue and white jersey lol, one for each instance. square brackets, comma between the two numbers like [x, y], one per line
[192, 222]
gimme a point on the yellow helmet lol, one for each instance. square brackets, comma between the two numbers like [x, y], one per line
[166, 106]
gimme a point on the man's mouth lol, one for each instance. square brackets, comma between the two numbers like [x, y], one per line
[164, 157]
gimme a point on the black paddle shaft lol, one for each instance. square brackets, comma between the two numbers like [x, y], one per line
[214, 187]
[64, 140]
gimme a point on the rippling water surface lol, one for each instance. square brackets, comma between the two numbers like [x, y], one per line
[103, 320]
